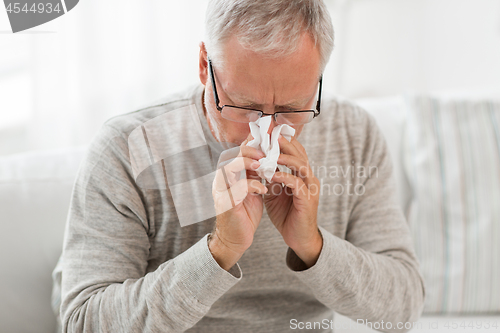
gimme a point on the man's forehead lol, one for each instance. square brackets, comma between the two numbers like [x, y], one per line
[252, 78]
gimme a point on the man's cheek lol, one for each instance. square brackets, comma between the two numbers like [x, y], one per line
[240, 133]
[298, 129]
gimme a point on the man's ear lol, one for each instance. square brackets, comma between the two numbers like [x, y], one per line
[203, 64]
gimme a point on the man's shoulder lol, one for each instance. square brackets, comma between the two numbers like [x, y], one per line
[343, 129]
[125, 123]
[340, 107]
[340, 115]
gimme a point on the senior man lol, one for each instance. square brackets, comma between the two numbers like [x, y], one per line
[332, 239]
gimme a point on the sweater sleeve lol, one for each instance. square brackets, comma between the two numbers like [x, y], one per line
[372, 275]
[105, 286]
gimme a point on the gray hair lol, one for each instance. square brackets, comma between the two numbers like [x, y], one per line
[269, 27]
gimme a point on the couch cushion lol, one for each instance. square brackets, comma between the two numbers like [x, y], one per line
[452, 158]
[35, 191]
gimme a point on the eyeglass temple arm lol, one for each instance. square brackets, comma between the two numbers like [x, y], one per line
[318, 104]
[214, 88]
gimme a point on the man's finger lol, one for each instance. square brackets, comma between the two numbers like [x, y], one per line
[293, 147]
[299, 188]
[299, 147]
[227, 175]
[241, 163]
[300, 167]
[244, 187]
[251, 152]
[233, 196]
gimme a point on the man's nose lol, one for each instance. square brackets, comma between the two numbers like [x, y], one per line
[272, 126]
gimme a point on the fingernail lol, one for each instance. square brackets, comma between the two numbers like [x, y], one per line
[255, 165]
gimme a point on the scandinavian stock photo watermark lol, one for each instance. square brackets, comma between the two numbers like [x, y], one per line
[351, 325]
[335, 180]
[347, 173]
[438, 325]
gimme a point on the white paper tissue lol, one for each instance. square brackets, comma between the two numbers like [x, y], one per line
[268, 145]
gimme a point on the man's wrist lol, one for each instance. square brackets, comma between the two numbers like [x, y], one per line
[225, 257]
[309, 253]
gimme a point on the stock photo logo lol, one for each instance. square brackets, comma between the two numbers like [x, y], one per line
[24, 15]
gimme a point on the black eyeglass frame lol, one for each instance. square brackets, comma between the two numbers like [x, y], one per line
[219, 108]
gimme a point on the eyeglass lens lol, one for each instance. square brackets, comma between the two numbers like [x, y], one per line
[245, 116]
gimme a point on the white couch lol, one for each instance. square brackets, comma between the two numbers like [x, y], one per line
[35, 192]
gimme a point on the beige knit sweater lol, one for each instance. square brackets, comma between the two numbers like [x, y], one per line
[128, 265]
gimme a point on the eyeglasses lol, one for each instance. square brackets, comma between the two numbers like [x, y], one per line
[246, 115]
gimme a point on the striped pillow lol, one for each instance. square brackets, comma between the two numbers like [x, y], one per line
[452, 159]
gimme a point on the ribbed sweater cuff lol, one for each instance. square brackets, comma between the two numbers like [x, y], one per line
[202, 276]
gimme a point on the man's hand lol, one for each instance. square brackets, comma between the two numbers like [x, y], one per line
[238, 205]
[293, 209]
